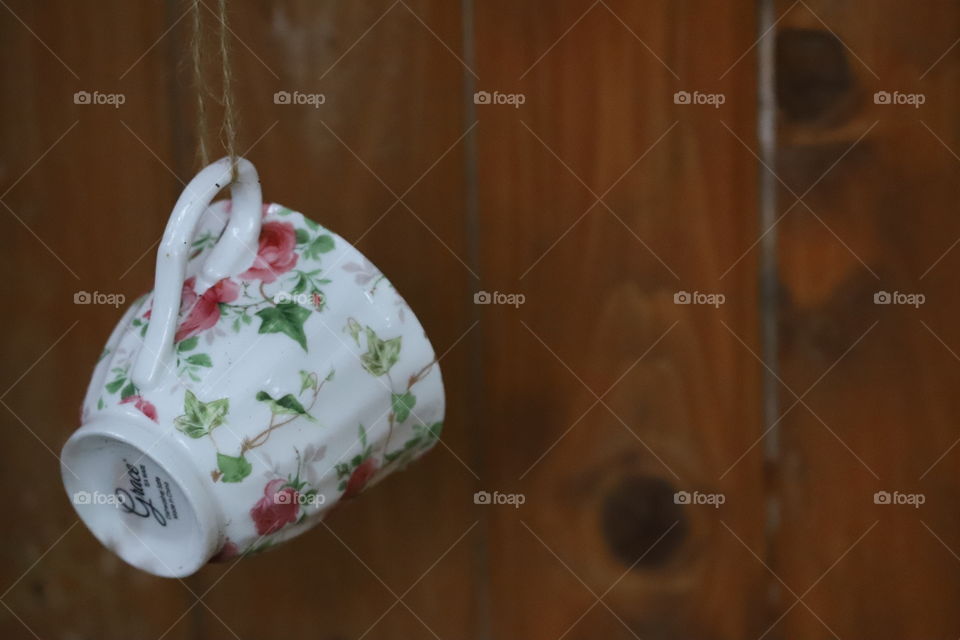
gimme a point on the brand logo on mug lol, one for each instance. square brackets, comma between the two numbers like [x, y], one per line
[135, 499]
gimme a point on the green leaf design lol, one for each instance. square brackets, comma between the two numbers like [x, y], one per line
[302, 284]
[303, 236]
[188, 345]
[381, 355]
[363, 437]
[287, 405]
[200, 418]
[114, 386]
[200, 360]
[286, 318]
[402, 403]
[204, 241]
[129, 390]
[320, 244]
[353, 328]
[425, 436]
[233, 469]
[308, 380]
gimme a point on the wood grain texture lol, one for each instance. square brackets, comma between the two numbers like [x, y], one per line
[679, 398]
[598, 397]
[880, 218]
[392, 126]
[392, 122]
[81, 198]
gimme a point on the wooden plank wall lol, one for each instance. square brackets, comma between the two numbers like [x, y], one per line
[607, 396]
[598, 200]
[880, 216]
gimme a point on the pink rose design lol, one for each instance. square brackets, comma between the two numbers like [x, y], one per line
[276, 255]
[143, 406]
[360, 477]
[205, 309]
[277, 508]
[228, 551]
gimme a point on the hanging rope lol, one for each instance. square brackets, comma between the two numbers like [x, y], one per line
[196, 51]
[228, 127]
[228, 131]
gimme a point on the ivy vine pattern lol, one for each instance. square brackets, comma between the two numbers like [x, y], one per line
[378, 359]
[201, 418]
[190, 365]
[284, 288]
[287, 498]
[244, 299]
[120, 388]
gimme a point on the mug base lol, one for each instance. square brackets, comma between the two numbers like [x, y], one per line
[139, 494]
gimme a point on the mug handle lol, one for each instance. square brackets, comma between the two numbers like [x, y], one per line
[233, 254]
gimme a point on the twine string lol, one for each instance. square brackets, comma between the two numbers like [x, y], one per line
[228, 126]
[196, 53]
[228, 129]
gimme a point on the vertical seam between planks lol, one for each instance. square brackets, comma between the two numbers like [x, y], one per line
[481, 564]
[178, 135]
[768, 281]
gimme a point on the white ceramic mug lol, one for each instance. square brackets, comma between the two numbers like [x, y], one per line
[271, 374]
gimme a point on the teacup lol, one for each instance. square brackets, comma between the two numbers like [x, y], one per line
[272, 374]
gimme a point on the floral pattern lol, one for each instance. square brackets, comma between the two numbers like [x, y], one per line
[245, 300]
[199, 419]
[202, 312]
[360, 477]
[279, 506]
[276, 254]
[143, 406]
[268, 443]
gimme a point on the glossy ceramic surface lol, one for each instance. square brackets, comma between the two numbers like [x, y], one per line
[285, 383]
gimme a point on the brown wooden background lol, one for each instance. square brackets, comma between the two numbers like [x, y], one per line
[598, 199]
